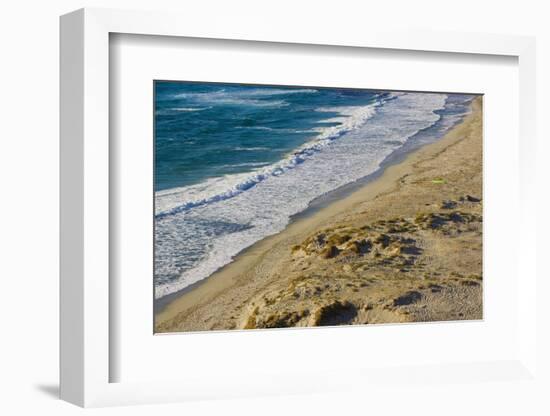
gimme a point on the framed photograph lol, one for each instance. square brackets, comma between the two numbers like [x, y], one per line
[289, 212]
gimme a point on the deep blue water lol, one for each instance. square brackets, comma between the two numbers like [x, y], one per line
[234, 163]
[208, 130]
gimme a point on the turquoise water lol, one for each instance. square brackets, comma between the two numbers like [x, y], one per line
[209, 130]
[233, 163]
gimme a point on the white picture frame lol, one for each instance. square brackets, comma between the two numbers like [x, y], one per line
[85, 212]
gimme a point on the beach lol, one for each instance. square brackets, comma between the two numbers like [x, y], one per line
[405, 247]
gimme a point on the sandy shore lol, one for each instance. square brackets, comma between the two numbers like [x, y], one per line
[406, 247]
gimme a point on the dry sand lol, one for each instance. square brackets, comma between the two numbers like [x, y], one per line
[406, 247]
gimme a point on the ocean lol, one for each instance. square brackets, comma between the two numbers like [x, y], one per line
[235, 163]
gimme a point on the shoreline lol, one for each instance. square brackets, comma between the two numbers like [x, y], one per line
[234, 275]
[396, 157]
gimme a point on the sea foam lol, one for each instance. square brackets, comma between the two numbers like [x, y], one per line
[177, 200]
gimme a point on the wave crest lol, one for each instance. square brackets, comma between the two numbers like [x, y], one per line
[218, 189]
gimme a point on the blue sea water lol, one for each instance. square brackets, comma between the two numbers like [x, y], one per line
[234, 163]
[210, 130]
